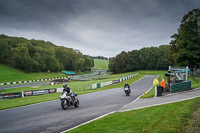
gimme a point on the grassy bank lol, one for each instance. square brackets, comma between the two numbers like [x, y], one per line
[9, 74]
[167, 118]
[101, 64]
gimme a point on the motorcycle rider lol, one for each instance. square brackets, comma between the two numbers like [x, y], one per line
[127, 85]
[68, 90]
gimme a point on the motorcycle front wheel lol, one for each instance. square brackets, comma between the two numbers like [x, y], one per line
[64, 104]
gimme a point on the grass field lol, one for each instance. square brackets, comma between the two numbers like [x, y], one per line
[169, 118]
[9, 74]
[101, 64]
[195, 81]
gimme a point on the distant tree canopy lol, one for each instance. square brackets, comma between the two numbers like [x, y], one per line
[41, 56]
[185, 45]
[151, 58]
[100, 57]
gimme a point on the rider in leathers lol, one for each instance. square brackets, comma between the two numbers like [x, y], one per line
[127, 85]
[68, 90]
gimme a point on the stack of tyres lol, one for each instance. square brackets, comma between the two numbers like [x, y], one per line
[159, 90]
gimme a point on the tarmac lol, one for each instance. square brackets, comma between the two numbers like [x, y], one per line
[165, 99]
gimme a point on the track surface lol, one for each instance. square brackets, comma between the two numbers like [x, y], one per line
[49, 117]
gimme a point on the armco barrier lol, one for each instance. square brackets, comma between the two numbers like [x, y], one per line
[30, 81]
[102, 84]
[98, 85]
[94, 86]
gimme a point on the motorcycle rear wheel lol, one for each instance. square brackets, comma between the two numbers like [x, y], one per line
[76, 104]
[127, 94]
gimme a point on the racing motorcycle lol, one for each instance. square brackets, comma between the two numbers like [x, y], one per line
[67, 100]
[127, 91]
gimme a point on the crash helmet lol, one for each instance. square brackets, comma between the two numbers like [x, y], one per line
[64, 85]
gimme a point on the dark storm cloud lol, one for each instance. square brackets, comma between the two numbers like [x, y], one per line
[95, 27]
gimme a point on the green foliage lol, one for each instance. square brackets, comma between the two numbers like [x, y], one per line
[41, 56]
[118, 64]
[185, 46]
[150, 58]
[169, 118]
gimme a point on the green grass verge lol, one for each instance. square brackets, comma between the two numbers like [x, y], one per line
[11, 103]
[149, 94]
[101, 64]
[195, 81]
[9, 74]
[17, 102]
[169, 118]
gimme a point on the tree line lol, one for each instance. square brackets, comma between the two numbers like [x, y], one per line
[41, 56]
[183, 50]
[100, 57]
[149, 58]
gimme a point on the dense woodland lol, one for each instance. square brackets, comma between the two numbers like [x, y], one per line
[183, 50]
[150, 58]
[40, 56]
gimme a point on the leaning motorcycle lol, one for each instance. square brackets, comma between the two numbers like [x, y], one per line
[67, 100]
[127, 91]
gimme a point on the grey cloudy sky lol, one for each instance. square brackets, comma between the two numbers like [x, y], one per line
[95, 27]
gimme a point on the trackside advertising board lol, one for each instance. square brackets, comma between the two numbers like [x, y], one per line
[39, 92]
[10, 95]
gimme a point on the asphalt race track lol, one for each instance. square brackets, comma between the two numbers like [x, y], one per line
[49, 117]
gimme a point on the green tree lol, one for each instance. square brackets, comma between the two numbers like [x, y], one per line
[112, 64]
[120, 62]
[185, 46]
